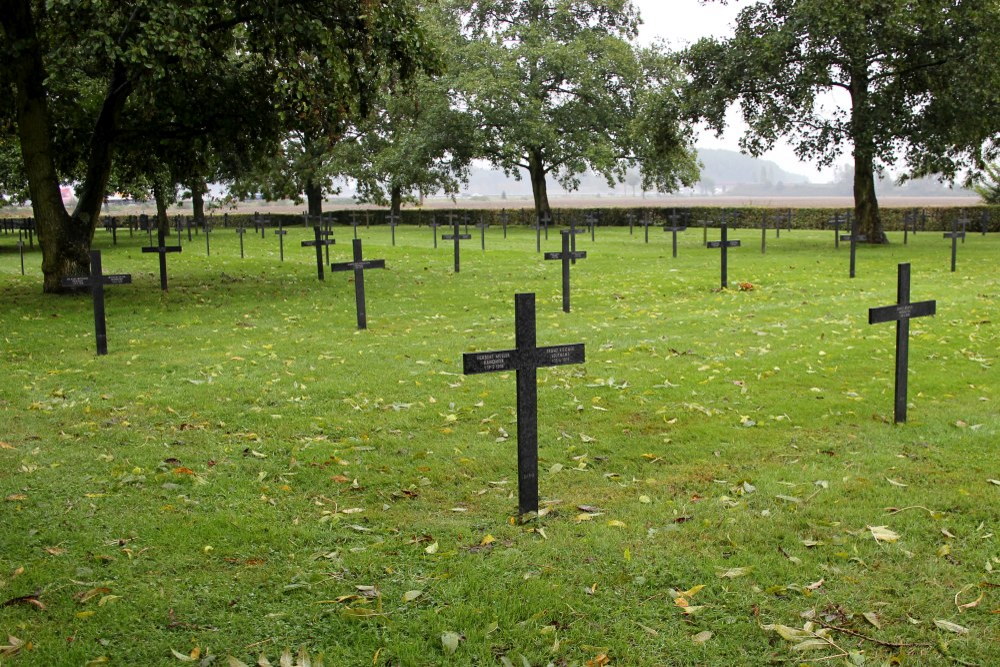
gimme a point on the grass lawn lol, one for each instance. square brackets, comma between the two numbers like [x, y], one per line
[245, 472]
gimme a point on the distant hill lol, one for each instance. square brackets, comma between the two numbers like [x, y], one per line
[727, 168]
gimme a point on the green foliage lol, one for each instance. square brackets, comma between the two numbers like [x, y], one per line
[905, 72]
[557, 88]
[989, 186]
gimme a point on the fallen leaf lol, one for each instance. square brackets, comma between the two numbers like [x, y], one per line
[883, 534]
[895, 483]
[450, 641]
[14, 497]
[702, 637]
[410, 596]
[952, 627]
[432, 549]
[733, 572]
[31, 600]
[872, 618]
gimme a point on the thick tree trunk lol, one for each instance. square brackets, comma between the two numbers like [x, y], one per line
[64, 253]
[865, 202]
[198, 190]
[395, 200]
[536, 171]
[314, 197]
[162, 221]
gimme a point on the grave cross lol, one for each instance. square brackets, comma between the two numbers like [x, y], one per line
[954, 235]
[573, 231]
[280, 233]
[111, 225]
[20, 249]
[984, 221]
[592, 219]
[162, 249]
[900, 313]
[631, 221]
[503, 221]
[241, 230]
[785, 217]
[457, 238]
[178, 226]
[566, 255]
[541, 223]
[525, 360]
[909, 224]
[646, 223]
[482, 226]
[208, 233]
[96, 282]
[964, 221]
[853, 237]
[724, 244]
[394, 221]
[836, 222]
[359, 266]
[319, 243]
[674, 227]
[354, 223]
[434, 228]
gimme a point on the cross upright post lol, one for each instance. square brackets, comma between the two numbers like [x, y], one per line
[359, 266]
[525, 360]
[241, 230]
[96, 282]
[20, 249]
[573, 231]
[434, 229]
[319, 243]
[280, 233]
[457, 238]
[853, 237]
[674, 227]
[901, 313]
[162, 249]
[631, 221]
[954, 235]
[566, 255]
[503, 221]
[393, 220]
[592, 223]
[763, 232]
[112, 226]
[646, 223]
[725, 244]
[354, 223]
[482, 226]
[208, 232]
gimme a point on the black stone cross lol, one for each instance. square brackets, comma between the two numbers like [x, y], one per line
[319, 243]
[573, 231]
[901, 314]
[592, 219]
[394, 222]
[984, 221]
[631, 221]
[208, 233]
[836, 222]
[96, 282]
[457, 238]
[725, 244]
[853, 237]
[162, 249]
[434, 228]
[646, 223]
[525, 360]
[354, 223]
[541, 223]
[909, 224]
[503, 221]
[111, 225]
[241, 230]
[763, 232]
[954, 235]
[178, 227]
[674, 228]
[566, 255]
[482, 226]
[20, 249]
[280, 233]
[785, 217]
[359, 266]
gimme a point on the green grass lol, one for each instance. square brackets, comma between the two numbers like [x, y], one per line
[696, 412]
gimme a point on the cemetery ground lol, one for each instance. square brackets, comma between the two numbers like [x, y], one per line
[721, 482]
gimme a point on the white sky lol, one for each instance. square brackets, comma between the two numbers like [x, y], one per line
[681, 22]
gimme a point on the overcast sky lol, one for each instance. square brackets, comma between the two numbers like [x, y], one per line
[681, 22]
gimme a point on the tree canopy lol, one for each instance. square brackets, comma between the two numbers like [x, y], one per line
[556, 87]
[83, 76]
[919, 78]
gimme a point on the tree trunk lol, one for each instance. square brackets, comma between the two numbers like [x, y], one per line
[314, 197]
[536, 170]
[63, 252]
[395, 200]
[162, 221]
[865, 202]
[198, 190]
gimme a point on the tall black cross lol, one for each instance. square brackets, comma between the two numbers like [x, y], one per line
[359, 266]
[646, 223]
[280, 233]
[208, 233]
[592, 219]
[394, 222]
[525, 360]
[673, 227]
[566, 255]
[725, 244]
[178, 227]
[853, 237]
[900, 313]
[954, 235]
[482, 226]
[162, 249]
[837, 221]
[964, 221]
[354, 223]
[631, 221]
[241, 230]
[573, 231]
[20, 249]
[146, 225]
[457, 238]
[112, 226]
[909, 223]
[785, 217]
[319, 243]
[541, 223]
[434, 228]
[503, 221]
[96, 282]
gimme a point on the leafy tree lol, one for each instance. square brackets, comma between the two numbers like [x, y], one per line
[79, 70]
[557, 88]
[988, 186]
[902, 64]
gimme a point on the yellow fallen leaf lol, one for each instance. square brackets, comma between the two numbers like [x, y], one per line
[432, 549]
[733, 572]
[489, 539]
[883, 534]
[702, 637]
[952, 627]
[616, 523]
